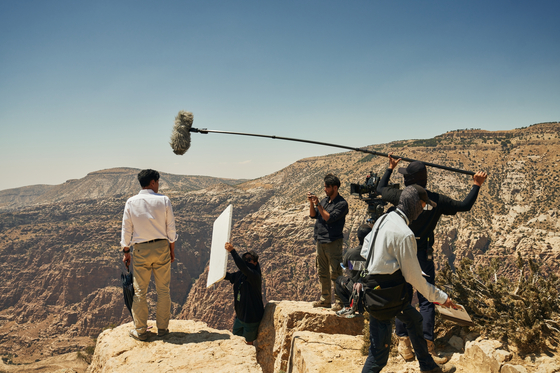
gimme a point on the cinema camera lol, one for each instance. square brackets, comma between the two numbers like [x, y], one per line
[367, 192]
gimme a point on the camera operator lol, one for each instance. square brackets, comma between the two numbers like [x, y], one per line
[423, 228]
[330, 214]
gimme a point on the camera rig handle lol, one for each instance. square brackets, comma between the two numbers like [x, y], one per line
[206, 131]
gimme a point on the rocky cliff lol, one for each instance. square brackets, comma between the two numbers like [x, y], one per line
[61, 264]
[293, 337]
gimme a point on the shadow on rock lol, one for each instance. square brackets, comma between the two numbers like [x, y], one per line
[180, 338]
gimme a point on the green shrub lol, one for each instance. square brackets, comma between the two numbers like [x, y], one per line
[524, 313]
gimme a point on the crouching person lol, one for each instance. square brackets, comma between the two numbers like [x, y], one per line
[392, 267]
[345, 286]
[247, 293]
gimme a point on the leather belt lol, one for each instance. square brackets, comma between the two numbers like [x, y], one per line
[159, 239]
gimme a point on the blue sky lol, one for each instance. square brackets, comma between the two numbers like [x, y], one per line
[86, 86]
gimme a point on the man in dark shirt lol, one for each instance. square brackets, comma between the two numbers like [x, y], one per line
[423, 228]
[330, 214]
[354, 264]
[247, 292]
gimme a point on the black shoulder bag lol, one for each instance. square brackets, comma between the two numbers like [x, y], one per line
[385, 296]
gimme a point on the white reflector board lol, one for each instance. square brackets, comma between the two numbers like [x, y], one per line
[218, 254]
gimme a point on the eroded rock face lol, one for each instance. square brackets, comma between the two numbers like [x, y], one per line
[282, 319]
[190, 346]
[325, 353]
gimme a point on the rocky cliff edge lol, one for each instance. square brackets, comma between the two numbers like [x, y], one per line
[293, 337]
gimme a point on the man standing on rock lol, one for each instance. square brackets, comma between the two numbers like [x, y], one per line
[330, 215]
[149, 225]
[247, 293]
[392, 265]
[423, 228]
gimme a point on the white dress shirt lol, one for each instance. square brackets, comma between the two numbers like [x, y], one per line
[394, 249]
[147, 216]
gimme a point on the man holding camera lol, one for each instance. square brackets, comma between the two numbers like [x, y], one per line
[330, 217]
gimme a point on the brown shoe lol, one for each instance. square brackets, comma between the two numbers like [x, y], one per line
[405, 349]
[337, 307]
[321, 304]
[138, 336]
[432, 350]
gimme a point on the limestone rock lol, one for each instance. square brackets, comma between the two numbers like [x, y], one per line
[325, 353]
[548, 364]
[502, 356]
[282, 319]
[479, 356]
[190, 346]
[508, 368]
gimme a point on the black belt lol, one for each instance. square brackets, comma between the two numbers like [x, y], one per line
[159, 239]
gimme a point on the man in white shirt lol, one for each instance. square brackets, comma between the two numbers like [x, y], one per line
[149, 225]
[394, 260]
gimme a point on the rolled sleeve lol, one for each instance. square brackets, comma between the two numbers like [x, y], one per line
[413, 273]
[170, 220]
[126, 231]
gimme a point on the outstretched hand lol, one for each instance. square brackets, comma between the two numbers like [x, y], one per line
[479, 178]
[393, 162]
[229, 247]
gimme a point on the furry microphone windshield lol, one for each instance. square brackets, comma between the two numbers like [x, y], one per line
[181, 135]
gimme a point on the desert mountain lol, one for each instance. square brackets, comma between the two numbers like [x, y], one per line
[112, 182]
[61, 260]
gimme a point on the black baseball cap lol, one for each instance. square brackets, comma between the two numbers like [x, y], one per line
[415, 173]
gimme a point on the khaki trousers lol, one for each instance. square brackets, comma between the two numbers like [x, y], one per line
[151, 258]
[329, 257]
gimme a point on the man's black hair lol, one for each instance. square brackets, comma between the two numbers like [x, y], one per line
[331, 180]
[146, 176]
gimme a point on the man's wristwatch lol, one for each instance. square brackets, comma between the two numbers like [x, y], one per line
[126, 252]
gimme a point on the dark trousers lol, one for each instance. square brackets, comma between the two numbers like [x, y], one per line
[380, 338]
[427, 308]
[341, 289]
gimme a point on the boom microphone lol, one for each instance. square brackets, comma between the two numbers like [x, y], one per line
[181, 134]
[181, 141]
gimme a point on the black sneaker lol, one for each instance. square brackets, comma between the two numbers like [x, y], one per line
[162, 332]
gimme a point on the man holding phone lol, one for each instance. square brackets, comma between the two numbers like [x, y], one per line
[330, 216]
